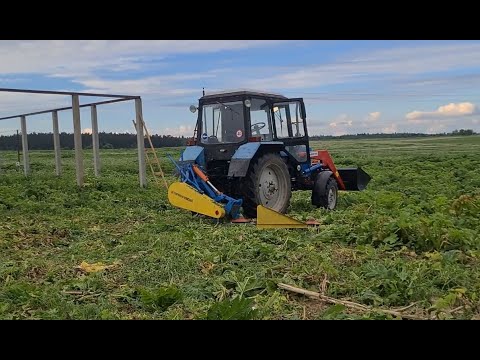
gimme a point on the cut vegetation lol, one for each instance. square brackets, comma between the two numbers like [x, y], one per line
[409, 243]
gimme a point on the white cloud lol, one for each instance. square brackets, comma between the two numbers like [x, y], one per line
[396, 63]
[373, 116]
[75, 58]
[390, 125]
[87, 131]
[436, 128]
[182, 130]
[392, 128]
[341, 125]
[16, 103]
[153, 85]
[82, 60]
[449, 110]
[341, 120]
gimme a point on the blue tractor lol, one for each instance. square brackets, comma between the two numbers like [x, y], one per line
[254, 146]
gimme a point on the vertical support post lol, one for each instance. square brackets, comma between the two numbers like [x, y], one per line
[77, 130]
[56, 144]
[18, 147]
[95, 143]
[26, 158]
[142, 171]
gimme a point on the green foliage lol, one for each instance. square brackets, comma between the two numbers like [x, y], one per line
[412, 237]
[236, 309]
[159, 299]
[333, 312]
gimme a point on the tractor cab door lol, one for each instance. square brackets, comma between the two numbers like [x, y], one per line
[290, 127]
[261, 125]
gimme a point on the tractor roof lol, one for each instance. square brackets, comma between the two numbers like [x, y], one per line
[241, 92]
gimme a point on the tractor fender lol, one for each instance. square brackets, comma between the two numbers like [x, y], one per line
[244, 155]
[321, 180]
[193, 154]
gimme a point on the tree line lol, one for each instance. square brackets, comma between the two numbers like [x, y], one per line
[461, 132]
[44, 141]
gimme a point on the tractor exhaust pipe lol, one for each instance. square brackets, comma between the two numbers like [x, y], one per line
[355, 179]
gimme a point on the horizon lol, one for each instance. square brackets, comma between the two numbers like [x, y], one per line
[349, 87]
[451, 133]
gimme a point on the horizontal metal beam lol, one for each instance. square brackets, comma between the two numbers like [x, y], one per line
[66, 108]
[52, 92]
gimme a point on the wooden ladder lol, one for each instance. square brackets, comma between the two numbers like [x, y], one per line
[152, 161]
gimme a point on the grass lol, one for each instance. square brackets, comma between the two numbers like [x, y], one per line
[412, 237]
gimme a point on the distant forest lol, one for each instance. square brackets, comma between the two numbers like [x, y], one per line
[461, 132]
[44, 141]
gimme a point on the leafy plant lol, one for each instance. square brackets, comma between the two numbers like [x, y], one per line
[159, 299]
[236, 309]
[410, 238]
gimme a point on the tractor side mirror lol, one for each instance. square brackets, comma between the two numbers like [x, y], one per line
[193, 108]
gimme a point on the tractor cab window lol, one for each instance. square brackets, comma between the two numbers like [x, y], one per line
[289, 121]
[260, 120]
[223, 123]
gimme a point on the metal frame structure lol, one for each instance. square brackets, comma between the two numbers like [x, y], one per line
[78, 131]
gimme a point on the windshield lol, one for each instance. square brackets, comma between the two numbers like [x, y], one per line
[223, 123]
[260, 120]
[289, 121]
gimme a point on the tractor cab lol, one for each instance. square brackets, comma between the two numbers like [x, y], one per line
[228, 120]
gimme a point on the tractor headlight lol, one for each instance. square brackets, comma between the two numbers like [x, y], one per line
[248, 103]
[299, 167]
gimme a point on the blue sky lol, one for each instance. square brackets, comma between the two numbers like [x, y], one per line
[348, 86]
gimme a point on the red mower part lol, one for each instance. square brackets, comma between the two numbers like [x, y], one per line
[324, 157]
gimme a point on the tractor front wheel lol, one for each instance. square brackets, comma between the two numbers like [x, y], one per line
[267, 183]
[325, 193]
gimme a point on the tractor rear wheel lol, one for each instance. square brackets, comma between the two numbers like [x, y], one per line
[267, 183]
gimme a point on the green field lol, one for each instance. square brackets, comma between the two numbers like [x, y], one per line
[412, 238]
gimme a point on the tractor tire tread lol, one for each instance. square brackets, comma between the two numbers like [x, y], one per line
[250, 200]
[322, 200]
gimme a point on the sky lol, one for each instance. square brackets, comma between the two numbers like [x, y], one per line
[349, 87]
